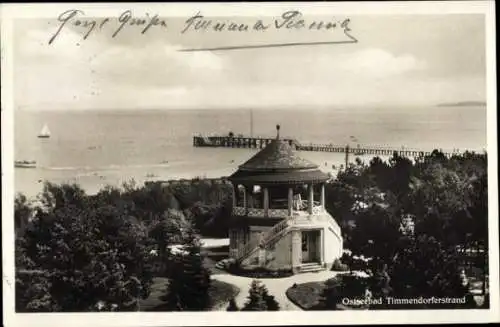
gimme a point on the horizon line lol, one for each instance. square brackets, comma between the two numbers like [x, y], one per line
[304, 107]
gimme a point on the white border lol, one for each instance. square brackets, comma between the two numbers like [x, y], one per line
[11, 11]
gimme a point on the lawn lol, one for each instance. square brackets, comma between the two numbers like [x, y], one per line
[306, 296]
[220, 293]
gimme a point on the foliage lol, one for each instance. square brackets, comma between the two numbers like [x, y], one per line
[211, 219]
[189, 279]
[96, 252]
[424, 267]
[22, 211]
[446, 196]
[79, 254]
[410, 218]
[259, 299]
[259, 272]
[339, 266]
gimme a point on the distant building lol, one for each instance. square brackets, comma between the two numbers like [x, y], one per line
[279, 219]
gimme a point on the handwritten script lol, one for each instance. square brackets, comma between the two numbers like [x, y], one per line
[289, 20]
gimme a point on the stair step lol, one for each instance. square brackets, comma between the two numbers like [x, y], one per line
[311, 270]
[310, 264]
[308, 267]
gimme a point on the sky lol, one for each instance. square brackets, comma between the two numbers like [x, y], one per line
[406, 60]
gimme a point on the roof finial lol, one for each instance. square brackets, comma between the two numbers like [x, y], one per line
[277, 132]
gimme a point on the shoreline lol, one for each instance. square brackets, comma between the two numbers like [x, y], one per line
[30, 181]
[93, 183]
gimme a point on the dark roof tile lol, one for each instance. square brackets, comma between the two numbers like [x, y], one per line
[277, 155]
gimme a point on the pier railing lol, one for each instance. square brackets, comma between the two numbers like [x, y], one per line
[261, 142]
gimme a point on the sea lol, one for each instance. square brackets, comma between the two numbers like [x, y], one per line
[95, 148]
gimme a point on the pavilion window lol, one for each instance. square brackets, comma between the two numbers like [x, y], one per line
[250, 199]
[257, 197]
[278, 198]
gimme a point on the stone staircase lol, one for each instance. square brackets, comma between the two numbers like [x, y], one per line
[268, 239]
[281, 228]
[310, 267]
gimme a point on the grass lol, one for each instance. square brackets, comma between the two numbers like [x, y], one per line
[220, 293]
[306, 296]
[157, 290]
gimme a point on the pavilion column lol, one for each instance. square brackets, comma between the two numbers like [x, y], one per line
[323, 195]
[290, 201]
[245, 199]
[234, 196]
[296, 249]
[266, 201]
[310, 201]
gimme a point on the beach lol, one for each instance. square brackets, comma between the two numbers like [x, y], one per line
[99, 148]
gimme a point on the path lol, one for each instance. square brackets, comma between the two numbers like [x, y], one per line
[276, 286]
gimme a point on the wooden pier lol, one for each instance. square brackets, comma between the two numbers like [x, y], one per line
[261, 142]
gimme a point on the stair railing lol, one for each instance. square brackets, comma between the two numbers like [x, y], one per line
[271, 234]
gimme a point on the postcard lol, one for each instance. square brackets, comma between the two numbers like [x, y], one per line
[249, 163]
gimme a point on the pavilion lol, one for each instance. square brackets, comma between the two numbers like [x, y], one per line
[279, 221]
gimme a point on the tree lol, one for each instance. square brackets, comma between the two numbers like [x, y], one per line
[165, 230]
[255, 299]
[189, 282]
[425, 267]
[232, 305]
[447, 203]
[271, 303]
[22, 212]
[77, 254]
[259, 299]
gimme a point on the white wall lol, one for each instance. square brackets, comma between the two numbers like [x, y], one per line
[333, 246]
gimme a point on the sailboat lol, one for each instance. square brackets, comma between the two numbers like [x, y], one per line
[45, 132]
[24, 164]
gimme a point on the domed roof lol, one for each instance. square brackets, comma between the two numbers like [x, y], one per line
[278, 162]
[277, 155]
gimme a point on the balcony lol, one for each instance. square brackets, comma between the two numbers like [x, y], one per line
[299, 210]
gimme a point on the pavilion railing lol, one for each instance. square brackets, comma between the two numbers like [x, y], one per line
[275, 213]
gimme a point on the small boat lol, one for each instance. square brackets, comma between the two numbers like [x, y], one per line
[24, 164]
[44, 133]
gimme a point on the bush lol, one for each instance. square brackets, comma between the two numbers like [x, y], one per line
[339, 266]
[339, 287]
[353, 286]
[259, 272]
[331, 295]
